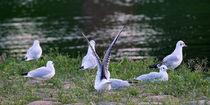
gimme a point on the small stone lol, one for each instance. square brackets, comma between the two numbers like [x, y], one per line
[32, 82]
[159, 97]
[44, 103]
[203, 98]
[50, 99]
[199, 102]
[146, 94]
[150, 103]
[66, 86]
[56, 103]
[1, 98]
[108, 103]
[41, 103]
[75, 104]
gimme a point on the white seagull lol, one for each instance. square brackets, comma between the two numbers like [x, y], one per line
[34, 52]
[42, 73]
[174, 59]
[162, 75]
[89, 61]
[103, 81]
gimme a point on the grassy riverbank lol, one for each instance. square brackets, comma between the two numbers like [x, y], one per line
[72, 86]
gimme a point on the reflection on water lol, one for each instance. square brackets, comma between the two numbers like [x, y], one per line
[152, 27]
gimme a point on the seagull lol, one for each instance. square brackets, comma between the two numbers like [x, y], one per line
[42, 73]
[103, 81]
[34, 52]
[89, 61]
[162, 75]
[174, 59]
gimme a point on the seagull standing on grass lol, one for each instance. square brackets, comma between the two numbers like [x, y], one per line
[174, 59]
[34, 52]
[155, 76]
[89, 61]
[42, 73]
[103, 81]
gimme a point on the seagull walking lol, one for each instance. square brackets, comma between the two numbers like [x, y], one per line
[42, 73]
[174, 59]
[89, 61]
[162, 75]
[34, 52]
[103, 81]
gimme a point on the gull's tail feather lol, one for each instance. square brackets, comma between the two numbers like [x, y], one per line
[157, 65]
[132, 82]
[153, 66]
[24, 74]
[24, 58]
[81, 68]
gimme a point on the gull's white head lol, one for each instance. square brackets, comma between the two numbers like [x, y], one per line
[92, 43]
[181, 44]
[163, 68]
[50, 64]
[36, 42]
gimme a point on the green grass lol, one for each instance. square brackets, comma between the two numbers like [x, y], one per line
[72, 86]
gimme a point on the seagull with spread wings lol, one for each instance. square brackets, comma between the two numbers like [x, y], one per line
[103, 81]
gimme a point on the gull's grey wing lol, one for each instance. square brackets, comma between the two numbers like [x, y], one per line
[108, 53]
[149, 77]
[153, 75]
[33, 52]
[28, 54]
[40, 72]
[117, 83]
[170, 58]
[94, 53]
[89, 61]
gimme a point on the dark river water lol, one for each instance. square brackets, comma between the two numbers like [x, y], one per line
[152, 26]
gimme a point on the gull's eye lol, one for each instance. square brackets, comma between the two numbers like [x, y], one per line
[164, 68]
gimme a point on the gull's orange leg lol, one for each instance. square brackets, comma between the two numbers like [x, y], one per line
[43, 84]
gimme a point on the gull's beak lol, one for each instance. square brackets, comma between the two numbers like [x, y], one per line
[185, 45]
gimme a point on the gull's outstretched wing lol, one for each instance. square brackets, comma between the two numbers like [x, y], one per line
[106, 58]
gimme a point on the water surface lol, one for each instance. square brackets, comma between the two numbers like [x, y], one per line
[152, 26]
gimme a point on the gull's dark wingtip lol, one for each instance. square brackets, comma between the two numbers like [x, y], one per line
[153, 66]
[24, 58]
[132, 82]
[23, 74]
[81, 68]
